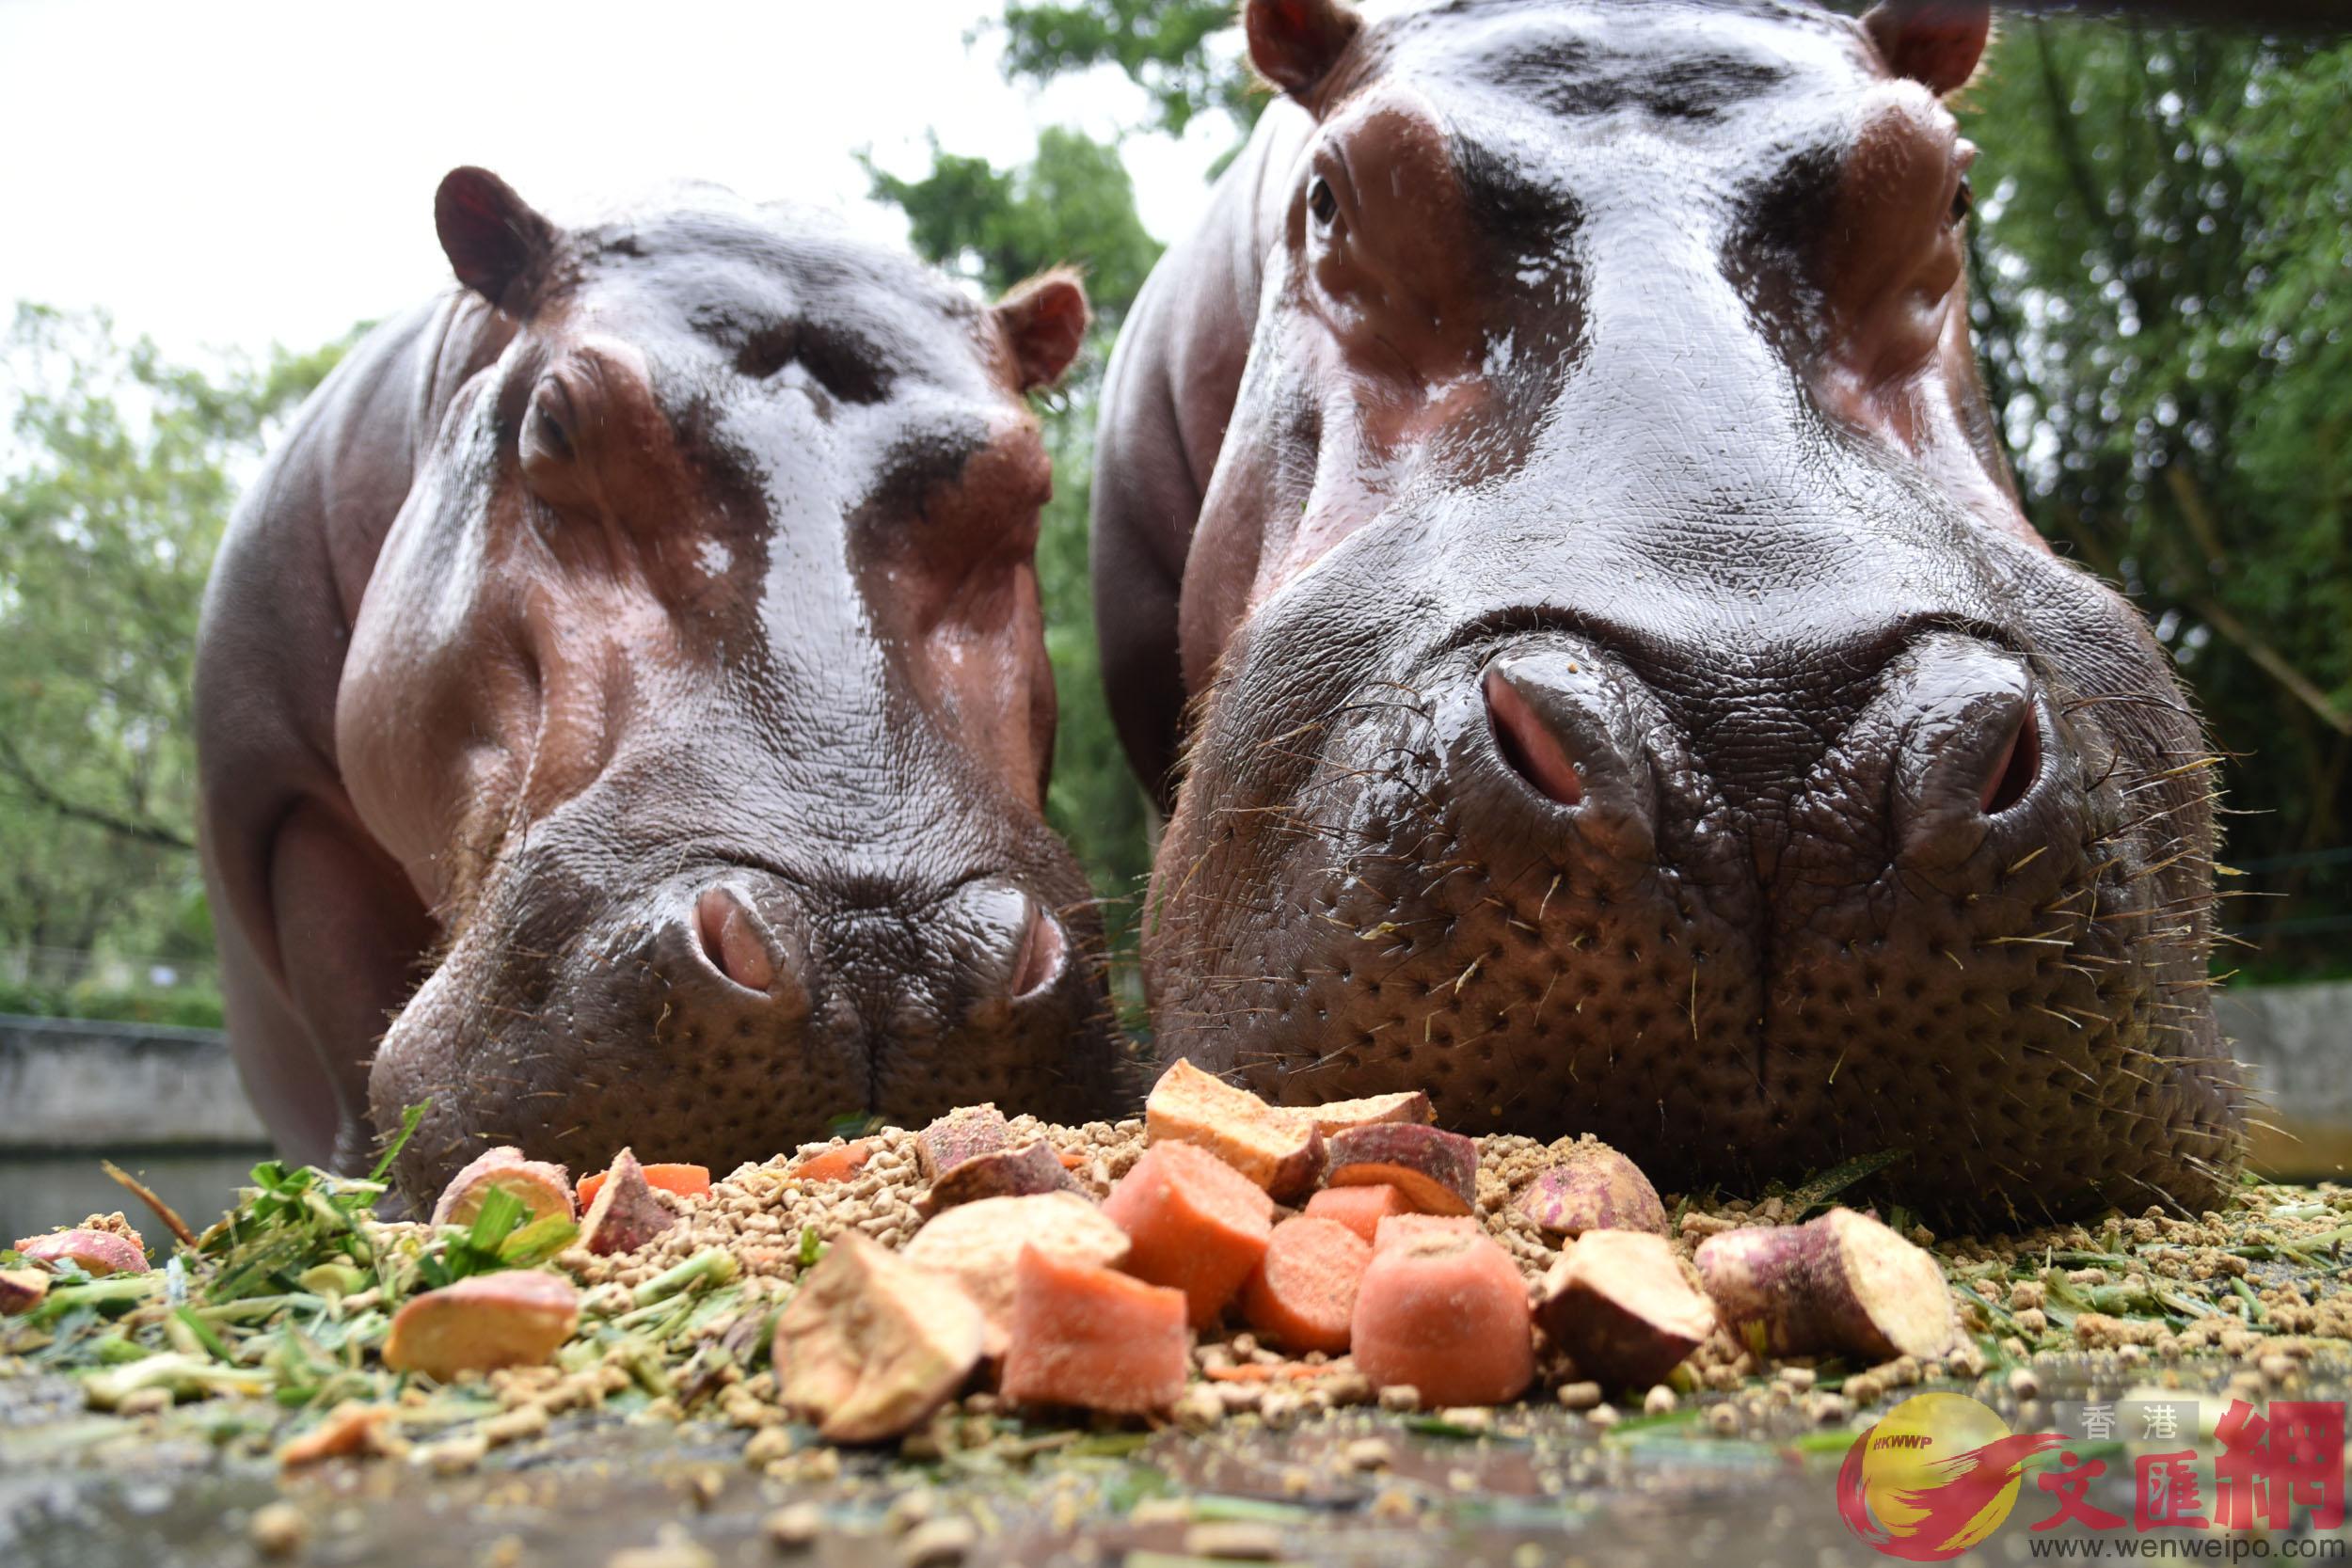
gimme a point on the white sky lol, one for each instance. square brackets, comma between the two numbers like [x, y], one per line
[227, 175]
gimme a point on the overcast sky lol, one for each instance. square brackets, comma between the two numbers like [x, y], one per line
[227, 175]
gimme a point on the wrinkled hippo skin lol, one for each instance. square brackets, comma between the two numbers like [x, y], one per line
[626, 683]
[1625, 693]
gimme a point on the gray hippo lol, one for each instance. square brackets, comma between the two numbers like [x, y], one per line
[626, 683]
[1550, 509]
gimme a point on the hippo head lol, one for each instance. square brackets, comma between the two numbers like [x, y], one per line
[700, 690]
[1629, 697]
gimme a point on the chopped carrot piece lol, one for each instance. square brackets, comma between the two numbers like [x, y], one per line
[1360, 1209]
[1445, 1311]
[1304, 1290]
[1094, 1338]
[1198, 1224]
[833, 1165]
[685, 1180]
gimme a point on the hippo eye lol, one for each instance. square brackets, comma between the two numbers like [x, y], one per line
[1321, 202]
[1963, 200]
[549, 433]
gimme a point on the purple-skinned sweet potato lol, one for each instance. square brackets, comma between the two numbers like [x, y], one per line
[1436, 1171]
[1842, 1284]
[21, 1289]
[96, 1251]
[626, 1214]
[1024, 1172]
[1592, 1187]
[1618, 1302]
[545, 1189]
[1275, 1147]
[1334, 1116]
[964, 1133]
[485, 1322]
[870, 1344]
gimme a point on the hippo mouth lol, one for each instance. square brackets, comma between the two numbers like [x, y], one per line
[730, 1014]
[1549, 883]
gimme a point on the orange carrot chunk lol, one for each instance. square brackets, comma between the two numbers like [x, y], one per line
[1446, 1312]
[1304, 1290]
[833, 1165]
[685, 1180]
[1198, 1224]
[1091, 1337]
[1360, 1209]
[1406, 1227]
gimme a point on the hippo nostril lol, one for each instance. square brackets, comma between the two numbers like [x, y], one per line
[2013, 773]
[734, 941]
[1529, 745]
[1043, 951]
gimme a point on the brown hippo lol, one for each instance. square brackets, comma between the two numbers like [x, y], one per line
[1627, 693]
[627, 680]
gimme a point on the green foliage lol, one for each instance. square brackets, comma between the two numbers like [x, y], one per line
[1072, 203]
[115, 484]
[2162, 306]
[1162, 46]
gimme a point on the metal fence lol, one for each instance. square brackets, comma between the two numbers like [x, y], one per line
[63, 968]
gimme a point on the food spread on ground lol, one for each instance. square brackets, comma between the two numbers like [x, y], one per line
[991, 1283]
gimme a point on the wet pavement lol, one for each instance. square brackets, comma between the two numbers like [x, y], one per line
[1544, 1487]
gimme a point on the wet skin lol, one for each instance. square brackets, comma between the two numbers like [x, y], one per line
[626, 682]
[1625, 693]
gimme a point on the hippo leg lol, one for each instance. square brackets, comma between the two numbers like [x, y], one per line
[342, 904]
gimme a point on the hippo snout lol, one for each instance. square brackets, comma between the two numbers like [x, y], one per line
[1747, 915]
[730, 1013]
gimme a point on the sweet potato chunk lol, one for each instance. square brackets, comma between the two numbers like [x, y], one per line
[21, 1289]
[625, 1214]
[1593, 1188]
[870, 1344]
[1196, 1223]
[481, 1323]
[1303, 1292]
[97, 1252]
[1436, 1171]
[1277, 1148]
[960, 1135]
[1334, 1116]
[1393, 1228]
[1445, 1311]
[684, 1181]
[1360, 1209]
[545, 1189]
[1842, 1284]
[1089, 1337]
[1618, 1302]
[980, 1243]
[1024, 1172]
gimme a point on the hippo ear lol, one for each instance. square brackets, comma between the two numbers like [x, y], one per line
[1294, 43]
[494, 239]
[1044, 321]
[1937, 43]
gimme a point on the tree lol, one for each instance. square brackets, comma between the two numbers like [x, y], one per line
[2162, 302]
[118, 481]
[1162, 46]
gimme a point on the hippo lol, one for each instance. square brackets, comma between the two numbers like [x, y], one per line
[623, 711]
[1567, 582]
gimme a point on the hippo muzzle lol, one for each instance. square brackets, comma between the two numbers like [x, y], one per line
[1625, 694]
